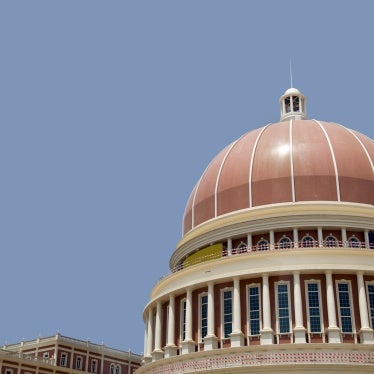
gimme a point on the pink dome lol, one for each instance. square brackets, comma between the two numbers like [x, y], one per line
[285, 162]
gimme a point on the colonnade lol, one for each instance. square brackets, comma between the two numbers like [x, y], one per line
[153, 335]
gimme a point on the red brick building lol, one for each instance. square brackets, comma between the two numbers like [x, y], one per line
[63, 355]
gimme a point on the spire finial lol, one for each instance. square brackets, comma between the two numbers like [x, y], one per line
[291, 72]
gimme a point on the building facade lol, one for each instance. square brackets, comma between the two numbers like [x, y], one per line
[275, 268]
[63, 355]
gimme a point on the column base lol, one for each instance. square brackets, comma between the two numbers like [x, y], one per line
[299, 335]
[170, 351]
[147, 359]
[157, 355]
[188, 346]
[267, 337]
[366, 336]
[333, 334]
[237, 339]
[210, 342]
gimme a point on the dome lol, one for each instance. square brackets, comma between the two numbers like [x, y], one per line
[287, 162]
[292, 91]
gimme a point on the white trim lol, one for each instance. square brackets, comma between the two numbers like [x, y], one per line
[223, 290]
[65, 356]
[249, 286]
[333, 158]
[322, 328]
[277, 327]
[362, 145]
[93, 363]
[291, 163]
[251, 164]
[371, 316]
[200, 337]
[182, 319]
[79, 359]
[348, 282]
[219, 175]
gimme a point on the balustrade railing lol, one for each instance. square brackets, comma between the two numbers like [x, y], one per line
[245, 250]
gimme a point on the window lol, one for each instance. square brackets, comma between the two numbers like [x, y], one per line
[93, 366]
[288, 104]
[227, 313]
[111, 368]
[314, 307]
[285, 242]
[353, 242]
[63, 359]
[331, 241]
[118, 369]
[296, 106]
[370, 294]
[242, 248]
[78, 363]
[345, 310]
[307, 241]
[283, 308]
[203, 316]
[183, 319]
[45, 355]
[254, 310]
[262, 244]
[8, 371]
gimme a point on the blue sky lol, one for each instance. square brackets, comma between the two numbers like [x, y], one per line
[109, 113]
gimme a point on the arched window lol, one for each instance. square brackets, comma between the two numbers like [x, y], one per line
[118, 369]
[307, 241]
[241, 248]
[353, 242]
[285, 242]
[262, 245]
[331, 241]
[112, 369]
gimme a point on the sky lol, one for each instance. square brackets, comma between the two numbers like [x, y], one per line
[109, 113]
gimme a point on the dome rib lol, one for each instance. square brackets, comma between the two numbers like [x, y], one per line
[291, 163]
[251, 164]
[219, 175]
[362, 146]
[286, 162]
[332, 156]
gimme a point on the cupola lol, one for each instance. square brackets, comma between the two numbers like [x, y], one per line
[293, 105]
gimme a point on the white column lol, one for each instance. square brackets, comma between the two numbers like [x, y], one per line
[236, 337]
[296, 237]
[332, 330]
[210, 341]
[158, 327]
[229, 246]
[171, 349]
[366, 333]
[367, 242]
[249, 242]
[320, 237]
[145, 347]
[188, 344]
[344, 237]
[171, 320]
[149, 335]
[157, 353]
[271, 236]
[189, 314]
[266, 331]
[299, 329]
